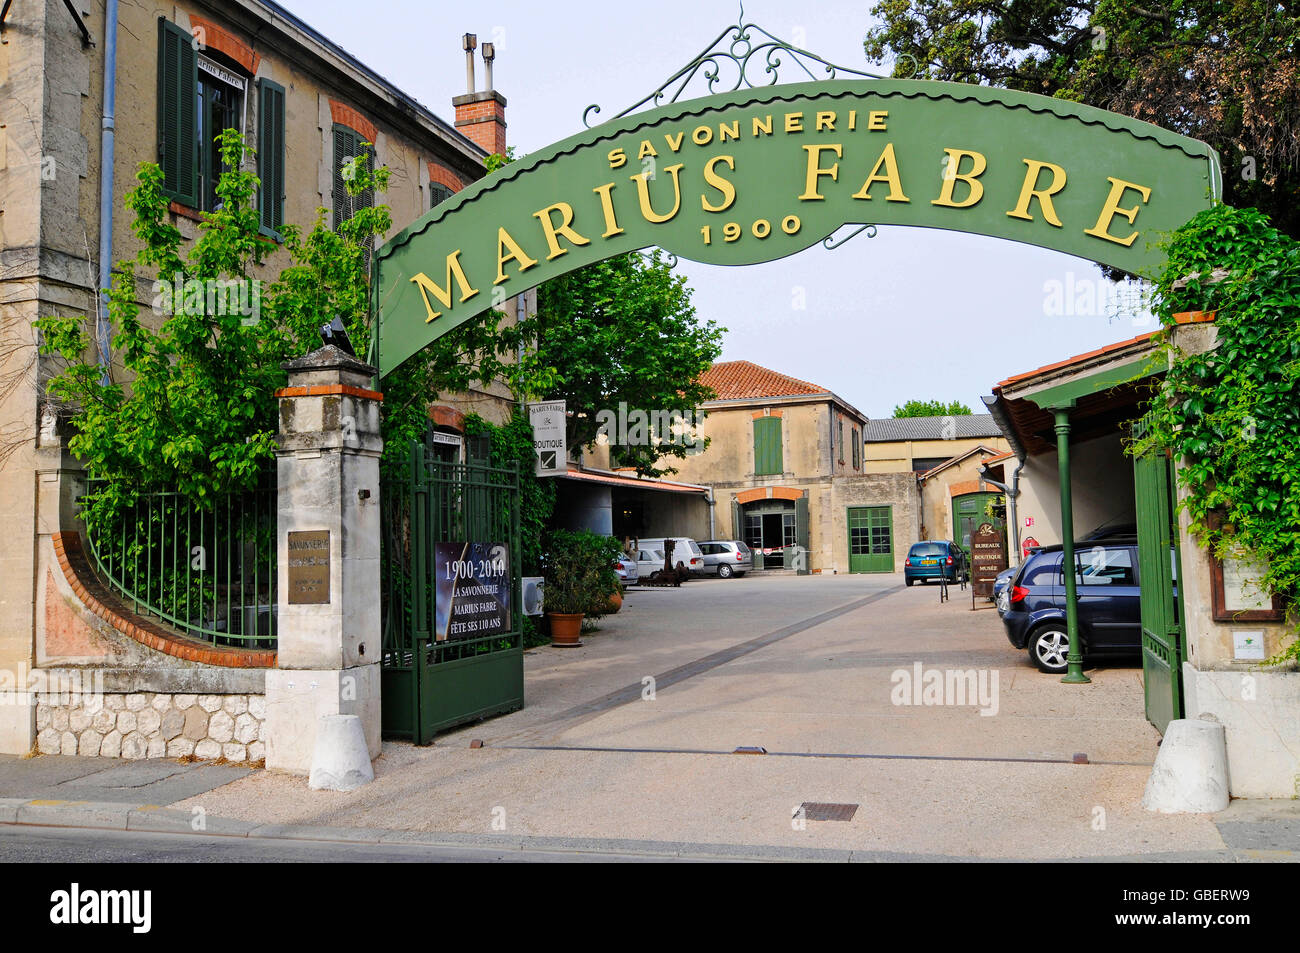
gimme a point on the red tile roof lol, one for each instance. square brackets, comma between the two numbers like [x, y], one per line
[739, 380]
[1077, 359]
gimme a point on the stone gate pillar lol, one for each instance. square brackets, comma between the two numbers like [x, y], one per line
[328, 627]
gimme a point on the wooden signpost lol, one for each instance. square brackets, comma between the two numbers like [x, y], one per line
[988, 558]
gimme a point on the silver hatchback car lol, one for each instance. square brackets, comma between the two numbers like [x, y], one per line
[725, 558]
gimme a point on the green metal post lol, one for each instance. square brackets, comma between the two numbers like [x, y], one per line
[1074, 660]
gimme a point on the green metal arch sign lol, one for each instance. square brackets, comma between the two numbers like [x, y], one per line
[758, 174]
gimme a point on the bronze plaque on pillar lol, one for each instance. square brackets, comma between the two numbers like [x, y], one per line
[309, 567]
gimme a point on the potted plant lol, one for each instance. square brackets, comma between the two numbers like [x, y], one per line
[579, 574]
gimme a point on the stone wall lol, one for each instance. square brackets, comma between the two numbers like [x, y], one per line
[153, 725]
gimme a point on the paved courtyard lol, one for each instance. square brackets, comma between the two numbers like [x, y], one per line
[632, 737]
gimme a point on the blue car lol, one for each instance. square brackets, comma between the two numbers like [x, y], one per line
[934, 559]
[1108, 593]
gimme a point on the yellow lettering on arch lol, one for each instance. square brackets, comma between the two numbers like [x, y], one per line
[506, 243]
[890, 176]
[1111, 208]
[1029, 192]
[563, 229]
[952, 174]
[455, 273]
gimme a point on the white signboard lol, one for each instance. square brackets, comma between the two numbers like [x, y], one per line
[547, 419]
[1248, 646]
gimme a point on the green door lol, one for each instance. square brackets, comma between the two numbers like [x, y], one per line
[1158, 561]
[871, 539]
[967, 514]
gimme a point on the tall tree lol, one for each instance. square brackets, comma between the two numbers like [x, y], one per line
[621, 331]
[1223, 71]
[931, 408]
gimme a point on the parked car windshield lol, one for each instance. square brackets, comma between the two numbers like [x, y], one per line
[928, 549]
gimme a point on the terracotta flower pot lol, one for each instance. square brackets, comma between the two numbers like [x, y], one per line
[615, 602]
[565, 628]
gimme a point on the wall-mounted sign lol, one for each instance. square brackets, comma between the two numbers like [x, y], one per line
[472, 590]
[1029, 521]
[309, 567]
[549, 438]
[1248, 646]
[758, 174]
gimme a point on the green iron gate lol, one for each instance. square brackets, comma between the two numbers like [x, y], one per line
[1158, 572]
[429, 685]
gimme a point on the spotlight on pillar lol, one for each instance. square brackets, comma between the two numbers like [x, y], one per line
[335, 333]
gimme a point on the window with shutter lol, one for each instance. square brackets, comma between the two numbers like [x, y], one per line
[767, 446]
[270, 155]
[177, 100]
[438, 193]
[348, 144]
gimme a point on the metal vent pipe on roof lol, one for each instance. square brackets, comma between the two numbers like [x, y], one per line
[489, 54]
[469, 42]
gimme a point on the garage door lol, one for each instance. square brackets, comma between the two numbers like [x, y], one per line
[871, 539]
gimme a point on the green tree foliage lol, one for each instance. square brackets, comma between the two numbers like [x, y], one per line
[1232, 413]
[619, 331]
[932, 408]
[192, 407]
[1223, 71]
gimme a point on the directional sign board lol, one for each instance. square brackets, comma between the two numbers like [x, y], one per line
[547, 419]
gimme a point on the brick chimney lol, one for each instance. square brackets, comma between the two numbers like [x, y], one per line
[481, 116]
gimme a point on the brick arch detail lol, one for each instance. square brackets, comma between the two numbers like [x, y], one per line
[345, 115]
[769, 493]
[444, 176]
[441, 415]
[100, 600]
[226, 42]
[963, 487]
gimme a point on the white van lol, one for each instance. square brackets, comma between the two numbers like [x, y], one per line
[650, 555]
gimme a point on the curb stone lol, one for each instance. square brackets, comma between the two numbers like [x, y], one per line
[103, 815]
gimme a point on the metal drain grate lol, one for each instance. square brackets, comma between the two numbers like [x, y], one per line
[816, 811]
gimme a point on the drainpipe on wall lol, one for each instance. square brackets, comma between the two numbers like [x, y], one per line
[1010, 492]
[102, 328]
[712, 533]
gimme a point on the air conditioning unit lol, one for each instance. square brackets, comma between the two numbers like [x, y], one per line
[531, 595]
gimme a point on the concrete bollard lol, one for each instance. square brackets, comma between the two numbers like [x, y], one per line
[1190, 775]
[340, 760]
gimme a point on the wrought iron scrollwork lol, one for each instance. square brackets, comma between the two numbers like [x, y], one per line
[753, 55]
[830, 244]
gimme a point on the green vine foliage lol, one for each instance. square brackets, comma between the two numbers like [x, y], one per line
[192, 408]
[1232, 414]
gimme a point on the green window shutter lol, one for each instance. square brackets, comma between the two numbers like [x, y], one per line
[177, 134]
[270, 154]
[348, 144]
[767, 446]
[345, 146]
[438, 193]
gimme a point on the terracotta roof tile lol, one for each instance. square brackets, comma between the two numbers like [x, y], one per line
[740, 380]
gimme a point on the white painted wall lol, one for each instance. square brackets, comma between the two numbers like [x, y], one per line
[1101, 479]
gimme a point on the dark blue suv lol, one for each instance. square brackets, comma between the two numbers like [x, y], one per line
[1109, 598]
[931, 560]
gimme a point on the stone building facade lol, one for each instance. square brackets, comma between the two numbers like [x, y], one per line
[183, 71]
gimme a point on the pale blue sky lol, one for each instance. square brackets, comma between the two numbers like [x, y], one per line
[911, 313]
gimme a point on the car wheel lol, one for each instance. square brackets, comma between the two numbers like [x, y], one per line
[909, 581]
[724, 571]
[1049, 647]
